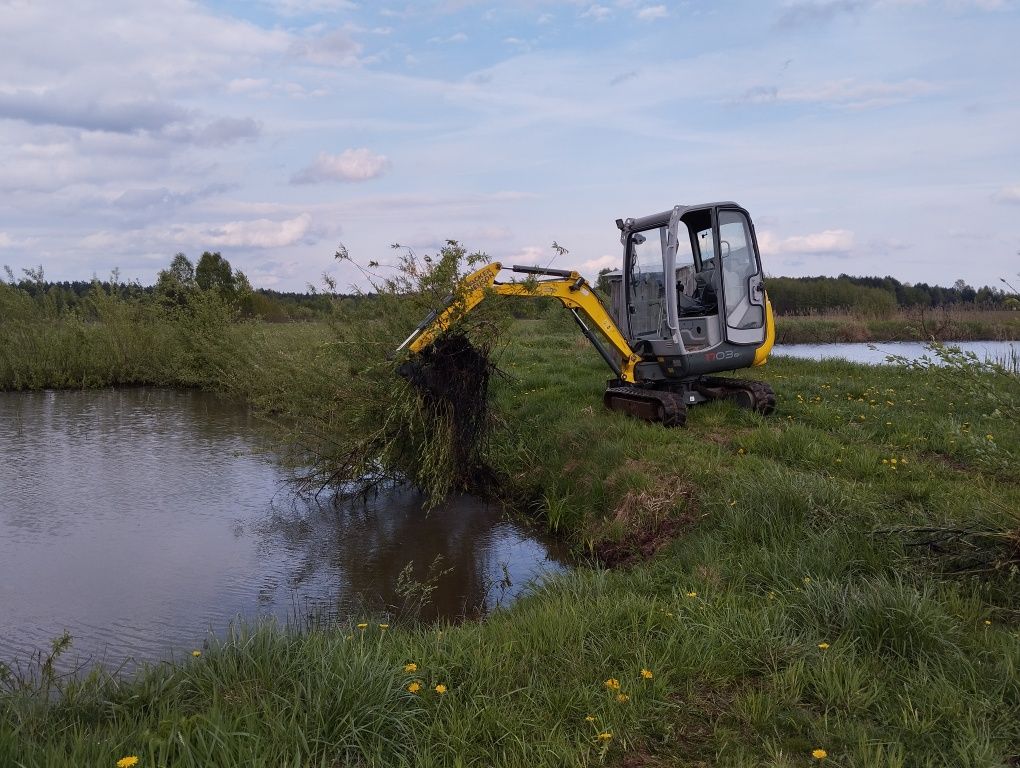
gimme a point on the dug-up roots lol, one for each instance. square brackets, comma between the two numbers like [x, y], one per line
[452, 375]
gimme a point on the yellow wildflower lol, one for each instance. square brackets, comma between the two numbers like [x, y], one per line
[384, 627]
[414, 687]
[363, 626]
[988, 623]
[127, 761]
[989, 437]
[692, 594]
[623, 698]
[741, 451]
[440, 689]
[613, 684]
[196, 653]
[819, 754]
[647, 674]
[590, 718]
[412, 667]
[605, 736]
[823, 646]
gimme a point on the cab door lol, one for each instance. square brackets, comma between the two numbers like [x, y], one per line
[743, 290]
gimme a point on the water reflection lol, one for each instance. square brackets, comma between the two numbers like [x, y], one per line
[141, 519]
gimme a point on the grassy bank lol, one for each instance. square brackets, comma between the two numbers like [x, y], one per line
[785, 594]
[902, 325]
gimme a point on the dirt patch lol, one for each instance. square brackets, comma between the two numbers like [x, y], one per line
[647, 520]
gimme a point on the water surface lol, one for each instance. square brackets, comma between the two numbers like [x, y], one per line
[875, 353]
[141, 520]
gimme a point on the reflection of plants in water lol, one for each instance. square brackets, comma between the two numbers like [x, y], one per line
[416, 594]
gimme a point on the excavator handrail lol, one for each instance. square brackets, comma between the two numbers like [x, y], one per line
[568, 287]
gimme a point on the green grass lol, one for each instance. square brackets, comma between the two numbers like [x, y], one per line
[797, 530]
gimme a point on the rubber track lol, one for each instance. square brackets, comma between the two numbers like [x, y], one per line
[763, 396]
[673, 407]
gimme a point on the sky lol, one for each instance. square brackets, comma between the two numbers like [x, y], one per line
[868, 137]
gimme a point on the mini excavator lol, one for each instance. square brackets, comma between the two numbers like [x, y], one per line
[689, 303]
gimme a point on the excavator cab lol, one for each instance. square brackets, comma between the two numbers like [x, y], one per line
[691, 297]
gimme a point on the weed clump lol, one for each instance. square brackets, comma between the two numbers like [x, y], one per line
[423, 418]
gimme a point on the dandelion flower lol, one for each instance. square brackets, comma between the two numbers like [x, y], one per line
[127, 761]
[823, 646]
[440, 689]
[622, 698]
[988, 623]
[414, 687]
[647, 674]
[692, 594]
[606, 736]
[613, 684]
[590, 718]
[363, 626]
[741, 451]
[819, 754]
[412, 667]
[384, 627]
[196, 653]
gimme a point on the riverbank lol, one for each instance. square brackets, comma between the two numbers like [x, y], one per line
[779, 598]
[914, 325]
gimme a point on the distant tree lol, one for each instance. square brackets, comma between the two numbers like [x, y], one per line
[602, 281]
[175, 284]
[213, 273]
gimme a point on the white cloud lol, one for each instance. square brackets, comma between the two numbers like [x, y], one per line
[456, 37]
[592, 266]
[5, 240]
[597, 12]
[350, 165]
[1008, 195]
[254, 233]
[653, 12]
[333, 48]
[846, 93]
[828, 241]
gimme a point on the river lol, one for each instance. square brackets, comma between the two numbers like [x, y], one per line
[876, 353]
[143, 521]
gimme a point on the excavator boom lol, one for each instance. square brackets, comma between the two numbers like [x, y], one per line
[570, 288]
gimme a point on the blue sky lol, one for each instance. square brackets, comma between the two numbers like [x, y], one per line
[865, 136]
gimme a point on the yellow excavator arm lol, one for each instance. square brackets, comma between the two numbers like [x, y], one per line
[568, 287]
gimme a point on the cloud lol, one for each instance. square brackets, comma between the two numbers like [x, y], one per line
[71, 111]
[456, 37]
[832, 241]
[5, 240]
[624, 77]
[334, 48]
[227, 130]
[812, 13]
[254, 233]
[597, 12]
[1009, 195]
[652, 12]
[847, 93]
[592, 266]
[350, 165]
